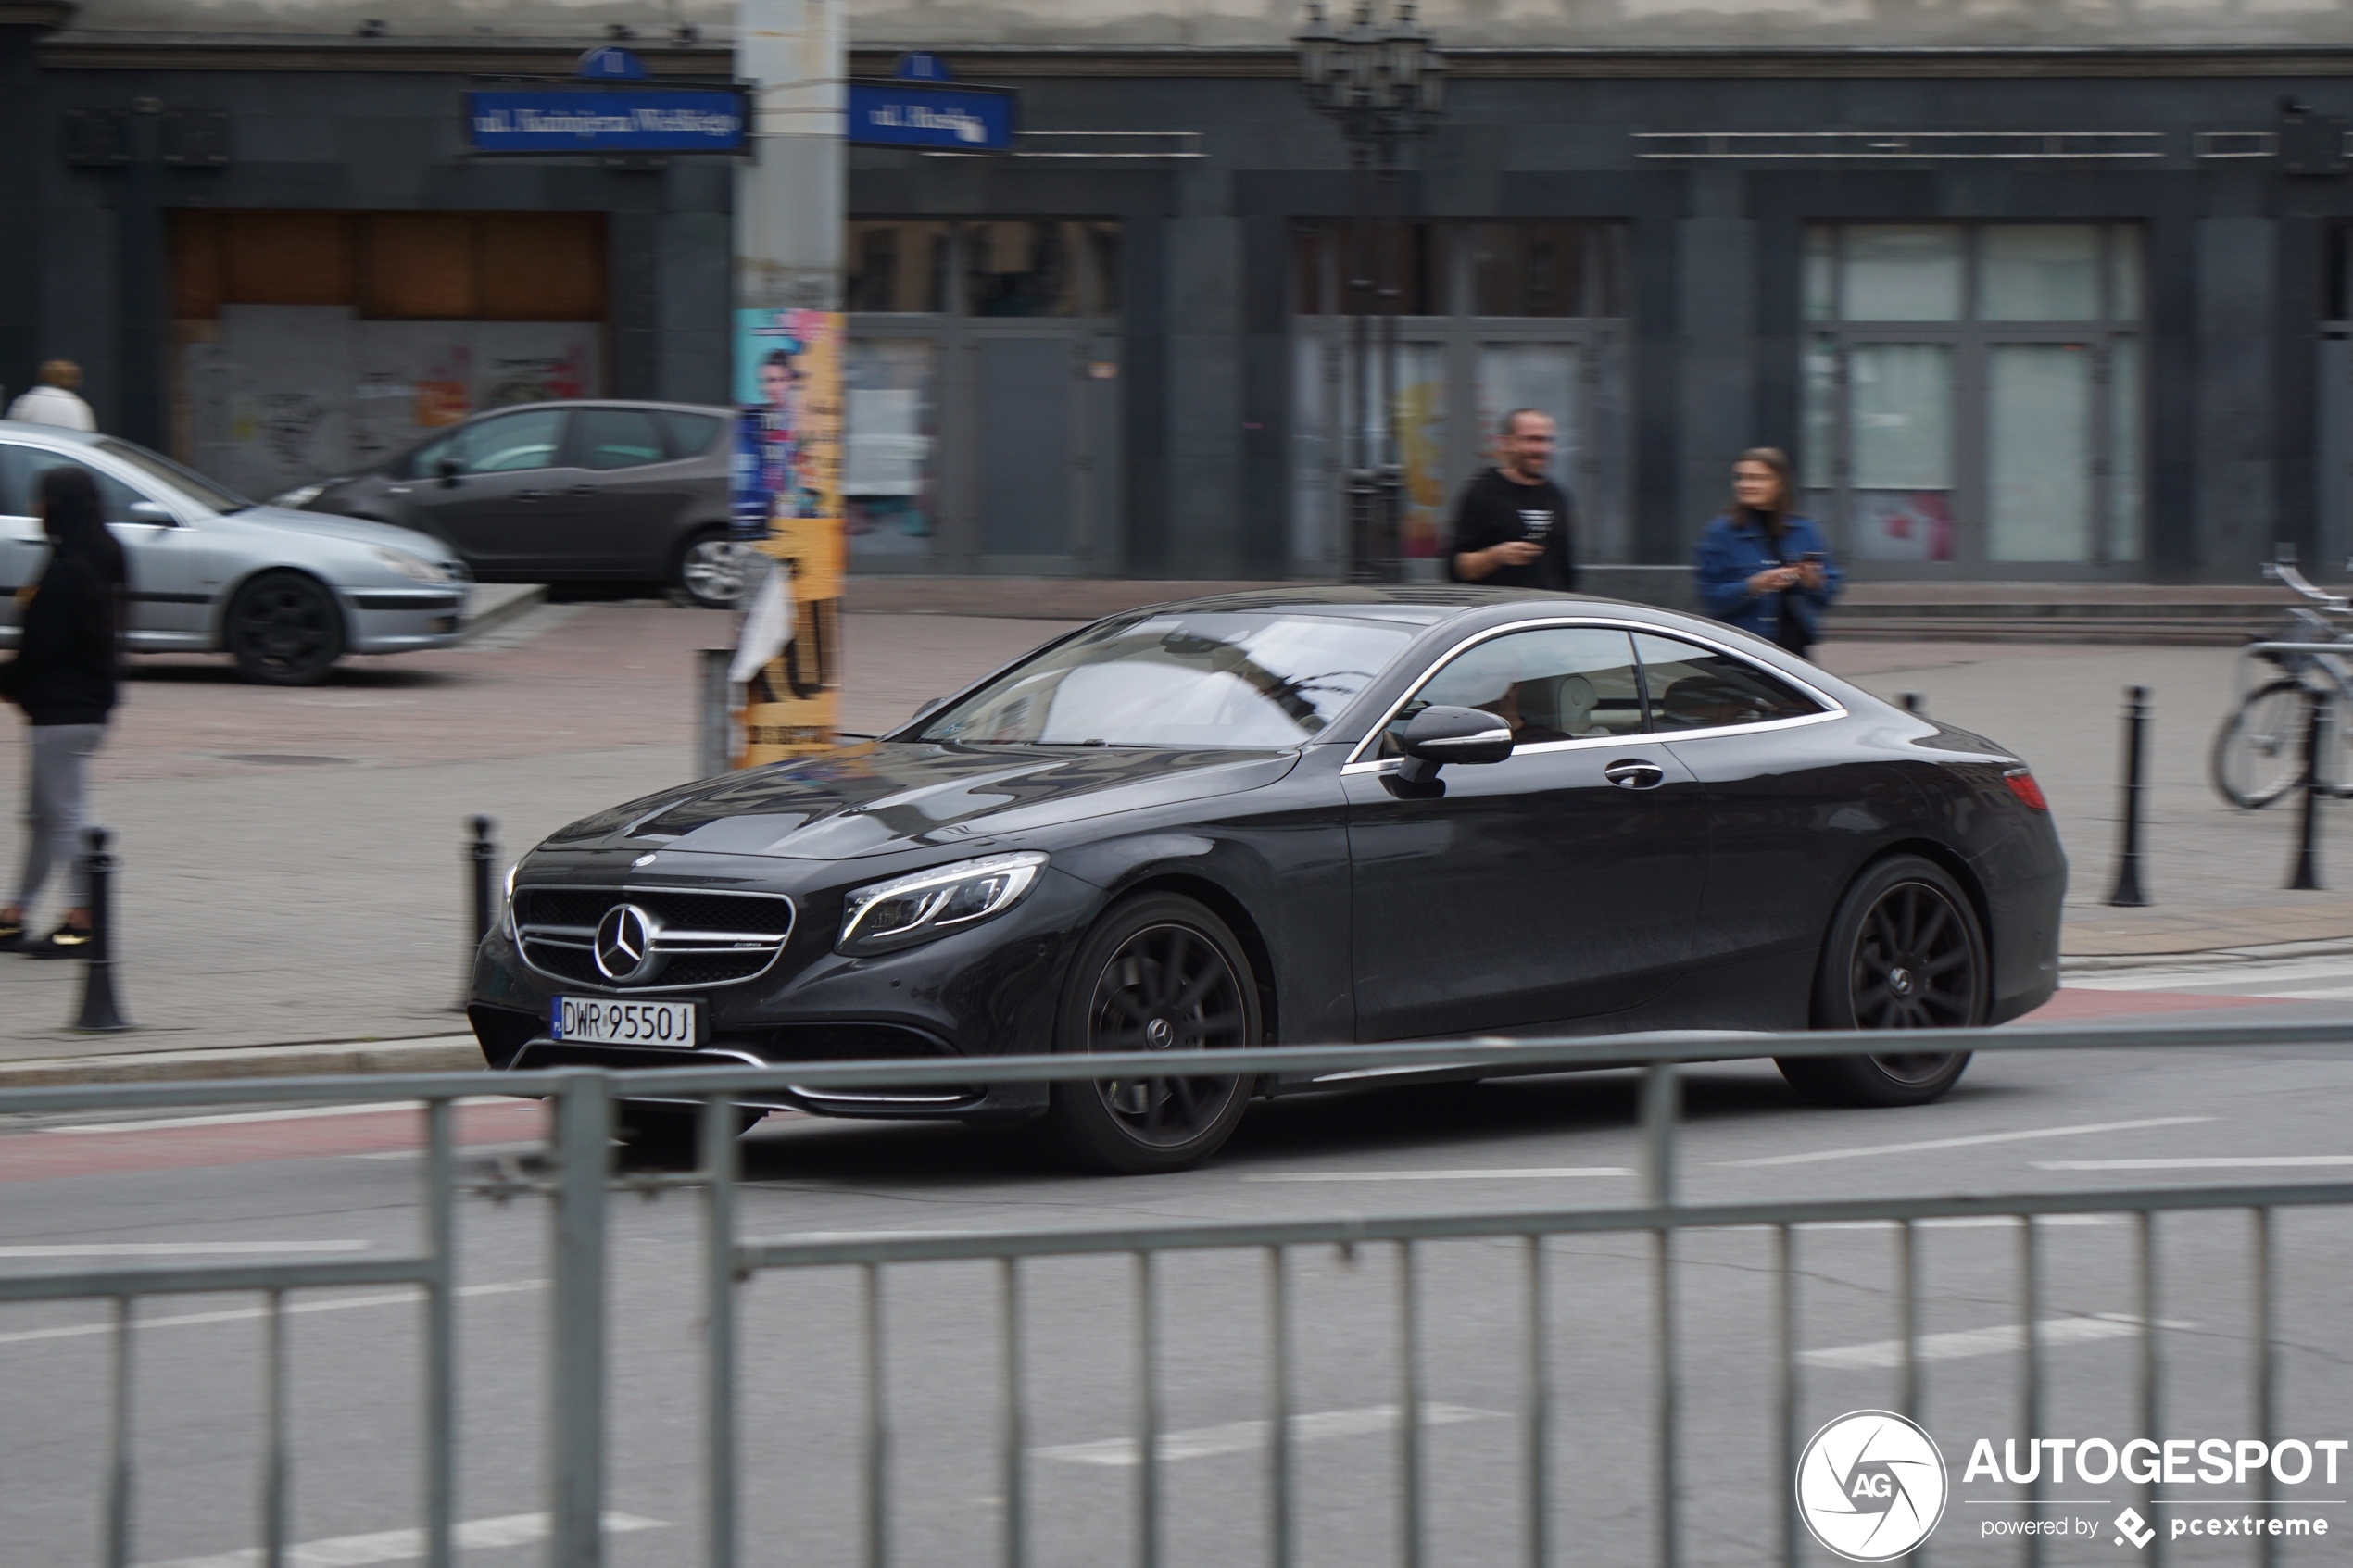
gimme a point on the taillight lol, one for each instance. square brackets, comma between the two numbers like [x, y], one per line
[2022, 785]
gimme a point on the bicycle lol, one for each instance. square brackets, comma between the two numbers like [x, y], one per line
[2257, 755]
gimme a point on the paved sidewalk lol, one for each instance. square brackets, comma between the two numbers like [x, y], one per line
[291, 868]
[2216, 875]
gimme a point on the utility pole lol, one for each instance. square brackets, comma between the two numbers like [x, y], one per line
[789, 200]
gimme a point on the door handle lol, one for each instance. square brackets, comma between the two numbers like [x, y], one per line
[582, 490]
[531, 494]
[1635, 774]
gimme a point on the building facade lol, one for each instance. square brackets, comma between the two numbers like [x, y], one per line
[2055, 292]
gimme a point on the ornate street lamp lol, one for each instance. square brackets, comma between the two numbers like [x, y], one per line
[1379, 85]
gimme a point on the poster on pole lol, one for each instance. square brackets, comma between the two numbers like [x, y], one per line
[787, 505]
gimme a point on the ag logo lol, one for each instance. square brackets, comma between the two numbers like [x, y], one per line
[1870, 1487]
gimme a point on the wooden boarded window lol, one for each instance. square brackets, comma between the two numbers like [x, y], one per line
[392, 266]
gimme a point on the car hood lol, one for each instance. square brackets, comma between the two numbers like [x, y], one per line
[352, 529]
[874, 798]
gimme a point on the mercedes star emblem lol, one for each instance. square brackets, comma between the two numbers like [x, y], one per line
[626, 944]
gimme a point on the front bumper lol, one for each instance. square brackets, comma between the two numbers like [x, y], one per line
[404, 619]
[988, 991]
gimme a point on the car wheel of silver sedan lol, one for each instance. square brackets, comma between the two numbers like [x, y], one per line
[712, 571]
[285, 630]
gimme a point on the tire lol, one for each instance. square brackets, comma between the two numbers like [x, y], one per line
[709, 570]
[283, 629]
[669, 1133]
[1159, 971]
[1905, 952]
[2258, 753]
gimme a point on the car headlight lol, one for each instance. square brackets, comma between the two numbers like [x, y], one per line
[299, 496]
[908, 909]
[414, 568]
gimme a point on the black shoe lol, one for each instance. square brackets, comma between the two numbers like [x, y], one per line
[11, 935]
[66, 942]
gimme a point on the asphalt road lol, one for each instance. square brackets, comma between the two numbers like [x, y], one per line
[344, 1182]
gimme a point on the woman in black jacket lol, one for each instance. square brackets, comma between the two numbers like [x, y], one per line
[63, 677]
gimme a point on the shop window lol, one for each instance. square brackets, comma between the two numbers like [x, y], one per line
[1972, 393]
[897, 266]
[1001, 268]
[1495, 317]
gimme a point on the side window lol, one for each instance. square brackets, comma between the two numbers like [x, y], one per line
[1692, 689]
[510, 442]
[21, 471]
[423, 463]
[616, 438]
[691, 434]
[1555, 683]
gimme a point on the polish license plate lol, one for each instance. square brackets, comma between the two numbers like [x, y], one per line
[604, 1020]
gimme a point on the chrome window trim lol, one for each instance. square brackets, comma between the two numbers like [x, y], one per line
[1832, 706]
[702, 942]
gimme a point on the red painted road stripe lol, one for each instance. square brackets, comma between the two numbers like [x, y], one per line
[36, 1156]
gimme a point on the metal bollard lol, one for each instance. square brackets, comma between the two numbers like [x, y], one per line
[2128, 893]
[716, 750]
[1912, 702]
[99, 1013]
[480, 857]
[2306, 876]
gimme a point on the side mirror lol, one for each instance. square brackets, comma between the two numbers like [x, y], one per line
[154, 512]
[1437, 735]
[448, 471]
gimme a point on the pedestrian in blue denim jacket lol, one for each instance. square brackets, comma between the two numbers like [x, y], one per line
[1762, 567]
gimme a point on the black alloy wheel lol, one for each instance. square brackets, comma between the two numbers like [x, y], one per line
[1905, 952]
[285, 630]
[1159, 972]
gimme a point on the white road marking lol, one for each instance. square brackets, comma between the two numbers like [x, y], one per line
[1967, 1142]
[2333, 993]
[402, 1546]
[1243, 1437]
[2195, 1162]
[1971, 1222]
[247, 1314]
[1997, 1341]
[172, 1248]
[301, 1114]
[1525, 1173]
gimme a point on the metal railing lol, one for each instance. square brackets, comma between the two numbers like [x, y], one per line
[581, 1111]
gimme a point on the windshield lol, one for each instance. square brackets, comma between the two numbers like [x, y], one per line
[186, 480]
[1183, 680]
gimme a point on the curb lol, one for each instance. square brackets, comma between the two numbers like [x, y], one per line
[491, 604]
[2095, 963]
[439, 1053]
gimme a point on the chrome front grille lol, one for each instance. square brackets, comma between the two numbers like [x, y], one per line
[684, 939]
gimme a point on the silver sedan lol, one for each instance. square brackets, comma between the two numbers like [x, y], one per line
[286, 593]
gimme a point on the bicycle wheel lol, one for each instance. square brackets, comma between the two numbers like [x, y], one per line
[2258, 756]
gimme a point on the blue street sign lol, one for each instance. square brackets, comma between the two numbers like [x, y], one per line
[912, 114]
[608, 64]
[921, 65]
[588, 119]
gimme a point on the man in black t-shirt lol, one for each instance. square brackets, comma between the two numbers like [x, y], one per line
[1512, 525]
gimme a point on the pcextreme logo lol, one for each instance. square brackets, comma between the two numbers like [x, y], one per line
[1871, 1485]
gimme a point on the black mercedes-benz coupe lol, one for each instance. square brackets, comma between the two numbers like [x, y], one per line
[1318, 815]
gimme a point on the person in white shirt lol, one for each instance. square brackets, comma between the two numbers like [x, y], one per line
[55, 402]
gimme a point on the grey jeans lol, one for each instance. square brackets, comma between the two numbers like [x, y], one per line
[53, 808]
